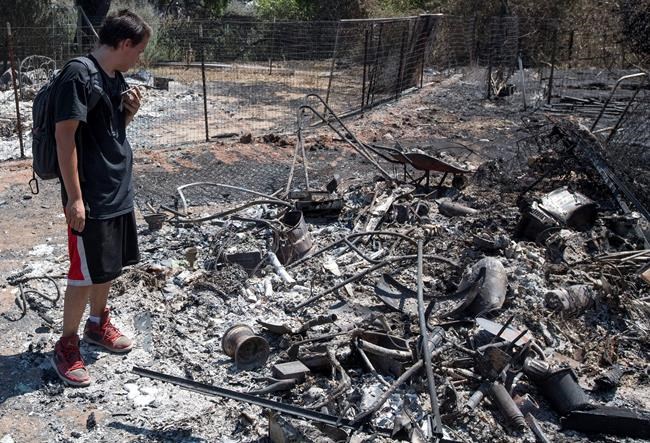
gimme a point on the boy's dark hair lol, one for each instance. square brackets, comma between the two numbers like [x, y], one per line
[122, 25]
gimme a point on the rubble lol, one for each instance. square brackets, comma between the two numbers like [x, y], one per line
[377, 307]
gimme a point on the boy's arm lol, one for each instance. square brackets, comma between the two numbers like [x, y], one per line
[66, 149]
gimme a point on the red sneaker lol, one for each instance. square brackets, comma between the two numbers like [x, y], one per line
[105, 334]
[67, 362]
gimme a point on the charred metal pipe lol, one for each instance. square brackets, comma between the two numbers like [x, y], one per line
[294, 411]
[348, 136]
[611, 94]
[426, 351]
[320, 320]
[370, 366]
[361, 274]
[223, 185]
[347, 239]
[507, 406]
[453, 209]
[477, 397]
[380, 350]
[275, 386]
[19, 126]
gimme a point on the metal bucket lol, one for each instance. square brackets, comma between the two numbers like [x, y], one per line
[247, 349]
[295, 241]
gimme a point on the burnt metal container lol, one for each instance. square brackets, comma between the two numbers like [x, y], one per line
[295, 241]
[571, 301]
[247, 349]
[570, 208]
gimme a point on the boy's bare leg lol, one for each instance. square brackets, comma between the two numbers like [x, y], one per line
[74, 305]
[99, 298]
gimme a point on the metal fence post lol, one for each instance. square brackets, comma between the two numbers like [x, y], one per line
[553, 51]
[205, 93]
[365, 61]
[12, 63]
[398, 88]
[571, 37]
[273, 30]
[332, 66]
[372, 75]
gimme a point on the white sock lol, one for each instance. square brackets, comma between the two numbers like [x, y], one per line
[94, 319]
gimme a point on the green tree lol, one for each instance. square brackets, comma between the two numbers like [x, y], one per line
[308, 9]
[192, 8]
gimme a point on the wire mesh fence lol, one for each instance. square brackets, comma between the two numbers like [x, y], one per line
[220, 78]
[214, 79]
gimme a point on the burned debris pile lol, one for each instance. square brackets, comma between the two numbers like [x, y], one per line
[509, 303]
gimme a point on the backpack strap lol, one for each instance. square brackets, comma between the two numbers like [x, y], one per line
[96, 92]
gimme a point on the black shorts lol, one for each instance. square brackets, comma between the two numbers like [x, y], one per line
[98, 254]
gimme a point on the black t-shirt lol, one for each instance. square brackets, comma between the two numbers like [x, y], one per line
[104, 154]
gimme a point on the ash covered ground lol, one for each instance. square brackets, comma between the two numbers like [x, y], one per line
[181, 299]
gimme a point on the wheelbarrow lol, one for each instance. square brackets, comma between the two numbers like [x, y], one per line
[419, 161]
[425, 162]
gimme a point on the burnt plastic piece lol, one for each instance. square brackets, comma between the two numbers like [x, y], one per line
[560, 387]
[397, 296]
[609, 420]
[333, 184]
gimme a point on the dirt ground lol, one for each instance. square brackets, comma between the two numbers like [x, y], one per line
[34, 406]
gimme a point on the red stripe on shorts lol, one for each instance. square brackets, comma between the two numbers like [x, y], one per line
[75, 272]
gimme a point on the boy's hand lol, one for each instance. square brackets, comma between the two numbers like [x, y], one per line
[75, 214]
[131, 100]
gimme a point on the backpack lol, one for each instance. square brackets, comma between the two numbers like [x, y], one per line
[45, 163]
